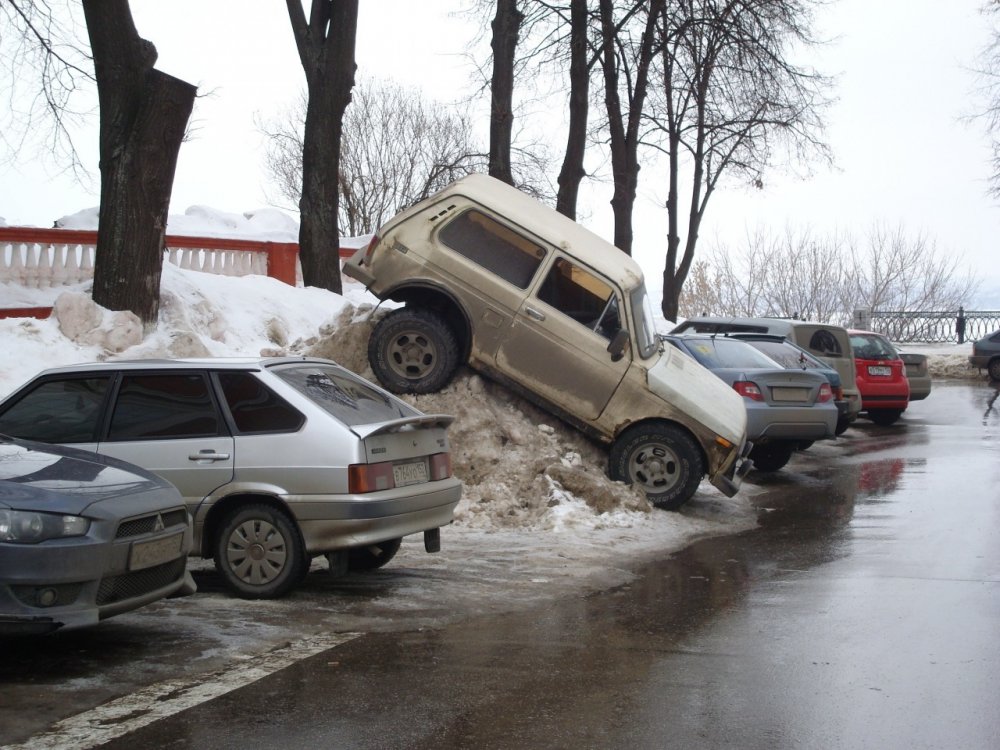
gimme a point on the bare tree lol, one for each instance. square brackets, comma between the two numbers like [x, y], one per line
[144, 114]
[572, 172]
[325, 44]
[626, 61]
[826, 277]
[47, 67]
[730, 97]
[397, 148]
[989, 74]
[506, 27]
[891, 270]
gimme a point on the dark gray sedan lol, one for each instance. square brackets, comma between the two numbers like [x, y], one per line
[986, 354]
[84, 537]
[784, 407]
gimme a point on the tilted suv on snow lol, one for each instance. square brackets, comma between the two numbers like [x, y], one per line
[278, 460]
[495, 279]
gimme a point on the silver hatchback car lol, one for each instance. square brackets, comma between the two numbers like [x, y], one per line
[278, 460]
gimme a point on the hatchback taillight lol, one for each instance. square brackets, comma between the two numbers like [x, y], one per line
[362, 478]
[440, 466]
[748, 389]
[825, 394]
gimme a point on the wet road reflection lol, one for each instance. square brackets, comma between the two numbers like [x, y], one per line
[862, 613]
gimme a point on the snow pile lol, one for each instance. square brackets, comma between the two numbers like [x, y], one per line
[265, 224]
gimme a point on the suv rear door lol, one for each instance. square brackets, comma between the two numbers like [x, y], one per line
[557, 345]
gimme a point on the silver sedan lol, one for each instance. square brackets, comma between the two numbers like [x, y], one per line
[785, 408]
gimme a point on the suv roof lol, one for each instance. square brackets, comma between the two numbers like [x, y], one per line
[550, 225]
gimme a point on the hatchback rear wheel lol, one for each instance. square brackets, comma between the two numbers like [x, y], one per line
[259, 553]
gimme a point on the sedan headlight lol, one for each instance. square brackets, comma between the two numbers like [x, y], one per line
[26, 527]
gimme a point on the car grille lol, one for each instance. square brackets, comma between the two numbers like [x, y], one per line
[65, 593]
[137, 583]
[147, 524]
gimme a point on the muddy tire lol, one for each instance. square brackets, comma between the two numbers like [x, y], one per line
[772, 456]
[259, 552]
[374, 556]
[413, 350]
[884, 417]
[661, 459]
[993, 368]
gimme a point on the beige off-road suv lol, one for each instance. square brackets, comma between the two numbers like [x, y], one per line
[492, 278]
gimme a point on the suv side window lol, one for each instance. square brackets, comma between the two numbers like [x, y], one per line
[58, 411]
[582, 296]
[825, 343]
[255, 407]
[494, 246]
[164, 406]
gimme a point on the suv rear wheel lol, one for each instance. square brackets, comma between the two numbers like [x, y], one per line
[661, 459]
[259, 553]
[413, 350]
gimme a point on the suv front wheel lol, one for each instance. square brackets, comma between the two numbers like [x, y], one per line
[413, 350]
[661, 459]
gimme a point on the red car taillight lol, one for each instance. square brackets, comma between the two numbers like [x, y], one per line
[825, 394]
[748, 389]
[440, 466]
[362, 478]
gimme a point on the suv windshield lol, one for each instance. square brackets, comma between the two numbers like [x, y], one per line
[646, 341]
[349, 399]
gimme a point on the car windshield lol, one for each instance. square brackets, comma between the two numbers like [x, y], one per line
[871, 346]
[721, 353]
[646, 341]
[346, 397]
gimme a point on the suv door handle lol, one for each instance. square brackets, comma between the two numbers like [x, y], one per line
[533, 313]
[209, 455]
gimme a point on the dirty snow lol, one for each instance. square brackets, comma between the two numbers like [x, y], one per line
[523, 471]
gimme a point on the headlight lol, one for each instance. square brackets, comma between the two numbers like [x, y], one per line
[25, 527]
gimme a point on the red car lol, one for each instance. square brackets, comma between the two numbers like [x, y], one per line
[881, 376]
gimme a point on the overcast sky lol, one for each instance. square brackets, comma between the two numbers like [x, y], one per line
[904, 155]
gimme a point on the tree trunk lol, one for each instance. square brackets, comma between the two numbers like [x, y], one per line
[572, 172]
[506, 27]
[624, 128]
[326, 50]
[144, 114]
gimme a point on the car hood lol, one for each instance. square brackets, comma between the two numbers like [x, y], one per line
[63, 480]
[693, 389]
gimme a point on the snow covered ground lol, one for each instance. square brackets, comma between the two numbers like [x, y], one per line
[525, 473]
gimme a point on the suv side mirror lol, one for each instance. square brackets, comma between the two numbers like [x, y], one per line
[619, 342]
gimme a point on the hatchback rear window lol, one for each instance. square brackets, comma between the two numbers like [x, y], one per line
[347, 397]
[255, 407]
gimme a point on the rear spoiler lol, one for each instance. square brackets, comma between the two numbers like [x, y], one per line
[364, 431]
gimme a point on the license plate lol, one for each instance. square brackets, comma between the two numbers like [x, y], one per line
[413, 473]
[789, 394]
[874, 370]
[155, 552]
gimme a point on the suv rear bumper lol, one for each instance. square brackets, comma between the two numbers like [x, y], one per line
[728, 482]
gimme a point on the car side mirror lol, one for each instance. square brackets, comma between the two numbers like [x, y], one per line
[618, 345]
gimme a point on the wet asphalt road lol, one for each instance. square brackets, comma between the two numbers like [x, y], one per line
[864, 612]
